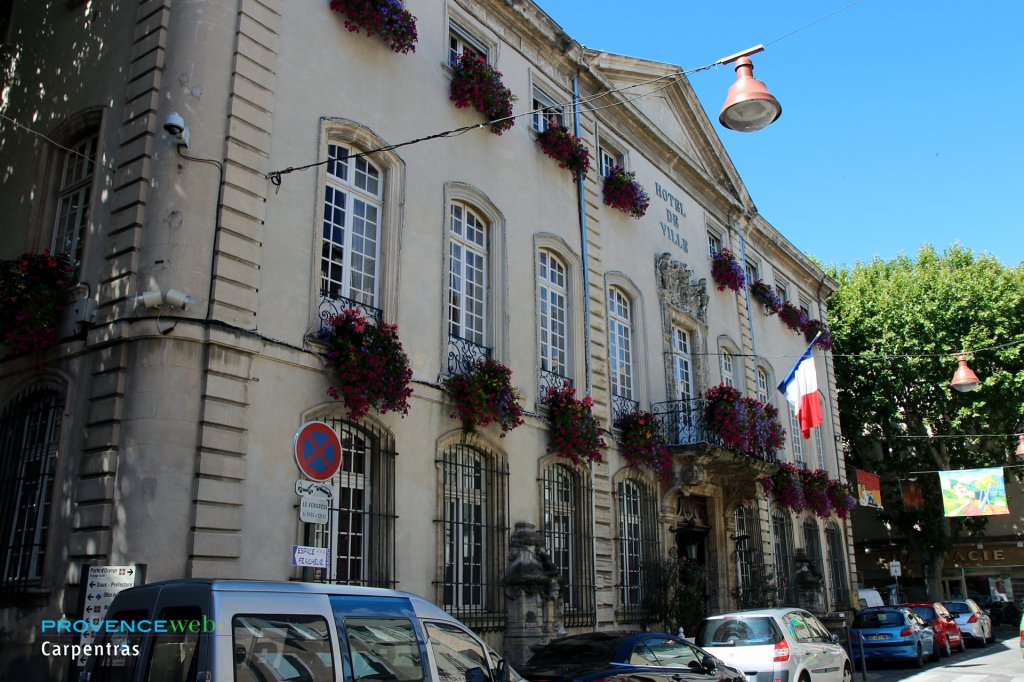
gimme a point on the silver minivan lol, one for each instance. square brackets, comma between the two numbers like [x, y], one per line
[251, 631]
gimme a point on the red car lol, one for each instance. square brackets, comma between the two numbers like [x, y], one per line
[947, 632]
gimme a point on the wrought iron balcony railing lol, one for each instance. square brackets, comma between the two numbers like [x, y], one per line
[336, 305]
[685, 423]
[549, 379]
[621, 406]
[463, 354]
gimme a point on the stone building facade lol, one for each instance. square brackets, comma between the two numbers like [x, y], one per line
[162, 437]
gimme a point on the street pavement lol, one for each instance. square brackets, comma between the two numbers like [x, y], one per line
[998, 662]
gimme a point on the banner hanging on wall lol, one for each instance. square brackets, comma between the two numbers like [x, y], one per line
[913, 496]
[869, 489]
[974, 492]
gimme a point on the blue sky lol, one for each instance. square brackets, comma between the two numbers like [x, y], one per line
[902, 122]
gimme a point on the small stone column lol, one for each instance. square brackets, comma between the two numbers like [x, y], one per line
[808, 584]
[532, 595]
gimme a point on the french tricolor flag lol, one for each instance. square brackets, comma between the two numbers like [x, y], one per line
[801, 390]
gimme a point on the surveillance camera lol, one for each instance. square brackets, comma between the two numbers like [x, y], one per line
[176, 128]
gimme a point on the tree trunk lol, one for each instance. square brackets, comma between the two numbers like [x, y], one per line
[933, 575]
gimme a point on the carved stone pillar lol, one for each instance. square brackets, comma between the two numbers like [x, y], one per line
[532, 595]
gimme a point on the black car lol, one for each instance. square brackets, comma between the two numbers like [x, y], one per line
[626, 656]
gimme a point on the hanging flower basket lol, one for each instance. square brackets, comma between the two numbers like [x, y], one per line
[815, 485]
[476, 84]
[367, 365]
[575, 432]
[766, 296]
[644, 444]
[726, 271]
[622, 191]
[485, 394]
[565, 148]
[33, 295]
[792, 317]
[786, 487]
[745, 425]
[842, 499]
[812, 327]
[388, 18]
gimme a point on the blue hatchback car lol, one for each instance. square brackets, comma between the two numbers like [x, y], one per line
[892, 632]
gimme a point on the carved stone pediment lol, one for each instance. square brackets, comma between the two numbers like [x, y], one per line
[677, 289]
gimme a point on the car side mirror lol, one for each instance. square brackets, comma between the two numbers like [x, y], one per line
[834, 638]
[709, 663]
[503, 673]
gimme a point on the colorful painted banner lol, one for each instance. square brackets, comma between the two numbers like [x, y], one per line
[1000, 588]
[869, 489]
[974, 492]
[913, 496]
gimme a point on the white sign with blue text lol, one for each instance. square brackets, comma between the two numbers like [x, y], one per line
[309, 557]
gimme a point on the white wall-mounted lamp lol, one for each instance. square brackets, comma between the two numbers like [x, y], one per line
[151, 299]
[154, 298]
[177, 299]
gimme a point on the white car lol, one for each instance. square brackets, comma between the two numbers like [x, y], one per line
[974, 622]
[776, 644]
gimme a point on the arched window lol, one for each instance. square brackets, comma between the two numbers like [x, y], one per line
[351, 241]
[638, 543]
[837, 565]
[782, 528]
[552, 311]
[475, 531]
[568, 540]
[620, 343]
[29, 437]
[361, 528]
[74, 197]
[467, 275]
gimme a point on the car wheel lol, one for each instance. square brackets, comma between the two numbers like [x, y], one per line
[919, 661]
[983, 640]
[963, 644]
[936, 652]
[847, 673]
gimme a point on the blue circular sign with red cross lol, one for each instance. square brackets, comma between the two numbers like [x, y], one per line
[317, 451]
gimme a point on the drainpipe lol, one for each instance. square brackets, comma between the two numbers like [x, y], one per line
[582, 208]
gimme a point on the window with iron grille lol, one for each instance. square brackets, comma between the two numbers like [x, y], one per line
[353, 203]
[812, 546]
[552, 311]
[29, 437]
[360, 533]
[568, 540]
[748, 545]
[836, 564]
[74, 194]
[620, 343]
[638, 543]
[782, 528]
[467, 275]
[474, 535]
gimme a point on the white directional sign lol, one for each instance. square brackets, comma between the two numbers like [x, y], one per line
[895, 569]
[101, 586]
[309, 557]
[314, 510]
[313, 489]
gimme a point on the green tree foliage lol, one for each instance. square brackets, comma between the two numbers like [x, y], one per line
[938, 304]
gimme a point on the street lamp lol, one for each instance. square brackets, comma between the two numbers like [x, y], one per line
[964, 379]
[748, 106]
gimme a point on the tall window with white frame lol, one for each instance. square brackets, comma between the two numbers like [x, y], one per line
[763, 396]
[682, 379]
[475, 498]
[460, 41]
[74, 197]
[29, 438]
[467, 275]
[726, 364]
[819, 444]
[796, 438]
[620, 347]
[567, 540]
[714, 243]
[753, 273]
[353, 206]
[637, 543]
[552, 312]
[812, 545]
[836, 563]
[609, 159]
[781, 290]
[545, 111]
[748, 552]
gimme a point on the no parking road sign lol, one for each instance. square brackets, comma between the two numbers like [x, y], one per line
[317, 451]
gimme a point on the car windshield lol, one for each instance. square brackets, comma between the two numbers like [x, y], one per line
[878, 619]
[926, 612]
[748, 631]
[956, 607]
[585, 650]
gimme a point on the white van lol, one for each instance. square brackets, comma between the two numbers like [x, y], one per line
[868, 597]
[252, 631]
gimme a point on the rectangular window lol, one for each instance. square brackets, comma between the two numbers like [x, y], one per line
[620, 344]
[74, 193]
[637, 544]
[545, 111]
[763, 396]
[836, 564]
[714, 243]
[460, 40]
[727, 369]
[456, 652]
[609, 159]
[782, 527]
[796, 438]
[467, 291]
[568, 541]
[819, 446]
[175, 655]
[781, 290]
[475, 509]
[353, 203]
[753, 272]
[805, 308]
[748, 532]
[280, 647]
[551, 308]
